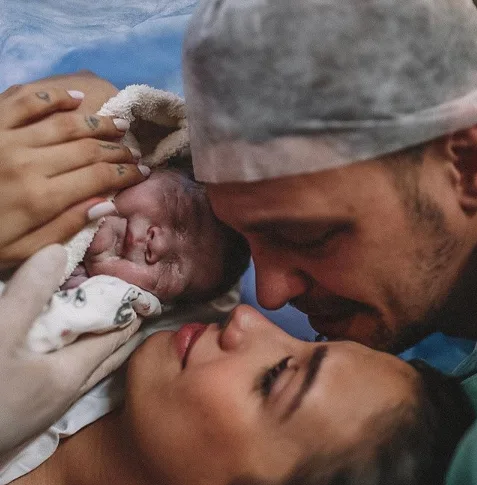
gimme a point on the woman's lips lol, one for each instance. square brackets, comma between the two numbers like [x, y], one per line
[185, 339]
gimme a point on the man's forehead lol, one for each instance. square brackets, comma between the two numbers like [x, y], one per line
[289, 201]
[327, 196]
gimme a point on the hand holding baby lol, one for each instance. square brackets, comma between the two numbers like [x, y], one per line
[54, 160]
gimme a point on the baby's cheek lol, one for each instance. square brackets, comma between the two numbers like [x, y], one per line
[107, 267]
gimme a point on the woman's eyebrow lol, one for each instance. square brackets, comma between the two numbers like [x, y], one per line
[314, 365]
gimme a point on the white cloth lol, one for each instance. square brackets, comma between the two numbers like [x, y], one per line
[364, 78]
[100, 304]
[109, 393]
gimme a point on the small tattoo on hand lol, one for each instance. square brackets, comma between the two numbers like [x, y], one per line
[92, 122]
[109, 146]
[43, 96]
[121, 169]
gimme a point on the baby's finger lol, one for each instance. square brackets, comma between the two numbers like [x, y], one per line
[60, 229]
[25, 106]
[56, 160]
[64, 127]
[29, 290]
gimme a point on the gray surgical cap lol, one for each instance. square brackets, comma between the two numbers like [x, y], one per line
[347, 79]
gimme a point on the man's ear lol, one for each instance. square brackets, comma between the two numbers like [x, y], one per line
[461, 148]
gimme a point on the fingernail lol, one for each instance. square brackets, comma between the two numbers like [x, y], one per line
[146, 171]
[121, 125]
[102, 209]
[135, 153]
[76, 94]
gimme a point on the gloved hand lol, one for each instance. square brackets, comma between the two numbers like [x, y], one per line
[36, 389]
[100, 304]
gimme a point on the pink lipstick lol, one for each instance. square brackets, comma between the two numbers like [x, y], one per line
[185, 339]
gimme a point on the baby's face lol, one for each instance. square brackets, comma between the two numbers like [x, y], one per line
[164, 240]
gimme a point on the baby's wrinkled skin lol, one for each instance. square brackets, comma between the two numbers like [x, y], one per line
[164, 239]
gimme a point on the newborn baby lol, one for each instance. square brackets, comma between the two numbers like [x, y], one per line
[165, 240]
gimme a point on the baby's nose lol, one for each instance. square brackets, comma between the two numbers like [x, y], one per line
[158, 245]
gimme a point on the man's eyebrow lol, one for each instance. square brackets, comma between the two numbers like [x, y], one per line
[314, 365]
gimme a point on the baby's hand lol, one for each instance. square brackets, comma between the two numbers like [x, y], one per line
[78, 276]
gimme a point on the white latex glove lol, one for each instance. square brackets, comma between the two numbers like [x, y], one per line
[36, 389]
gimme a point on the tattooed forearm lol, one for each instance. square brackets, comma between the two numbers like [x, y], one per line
[43, 96]
[110, 146]
[121, 169]
[92, 122]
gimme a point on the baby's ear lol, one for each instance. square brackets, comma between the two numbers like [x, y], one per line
[158, 122]
[461, 148]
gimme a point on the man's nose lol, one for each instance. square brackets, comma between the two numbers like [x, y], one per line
[158, 245]
[277, 281]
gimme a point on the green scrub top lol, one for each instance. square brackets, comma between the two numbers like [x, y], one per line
[463, 468]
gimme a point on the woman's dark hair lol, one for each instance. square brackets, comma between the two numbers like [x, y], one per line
[412, 450]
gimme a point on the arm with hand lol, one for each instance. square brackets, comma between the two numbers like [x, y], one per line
[57, 158]
[97, 305]
[36, 389]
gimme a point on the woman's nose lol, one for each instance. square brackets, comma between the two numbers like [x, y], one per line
[158, 245]
[239, 328]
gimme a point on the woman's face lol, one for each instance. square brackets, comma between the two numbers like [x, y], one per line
[207, 405]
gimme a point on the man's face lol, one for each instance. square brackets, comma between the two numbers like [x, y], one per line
[344, 247]
[164, 240]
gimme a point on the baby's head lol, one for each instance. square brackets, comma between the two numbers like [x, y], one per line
[166, 240]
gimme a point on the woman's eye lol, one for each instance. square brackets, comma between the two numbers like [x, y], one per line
[271, 375]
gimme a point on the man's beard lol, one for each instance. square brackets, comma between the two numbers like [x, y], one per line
[455, 316]
[458, 315]
[451, 301]
[449, 310]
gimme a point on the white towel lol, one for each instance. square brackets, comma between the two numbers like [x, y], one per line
[138, 104]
